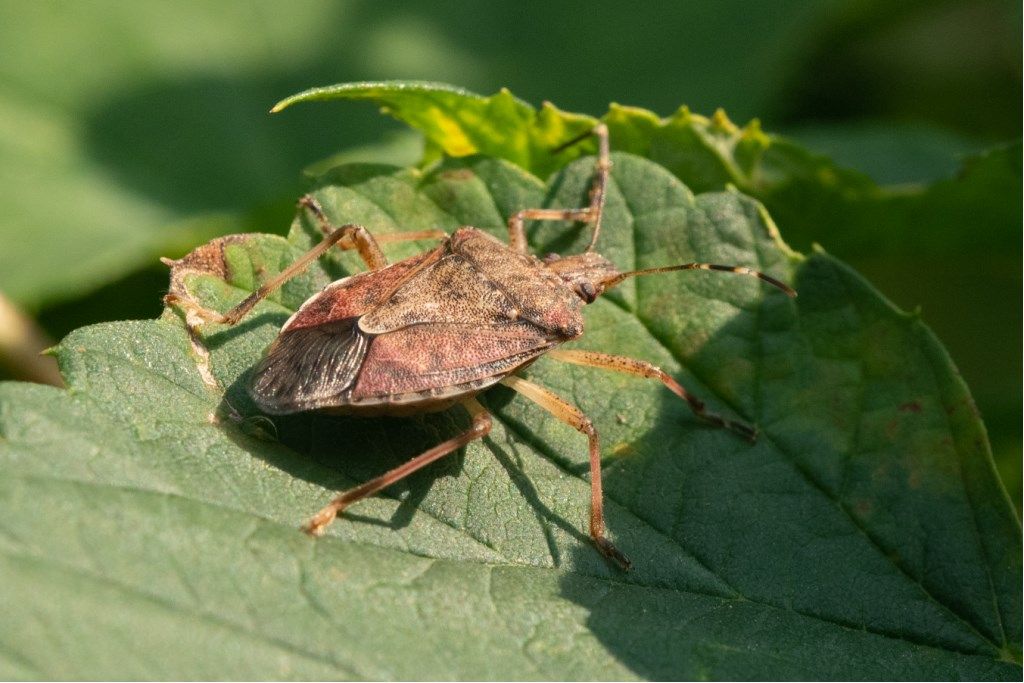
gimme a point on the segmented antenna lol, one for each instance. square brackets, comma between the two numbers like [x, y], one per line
[742, 270]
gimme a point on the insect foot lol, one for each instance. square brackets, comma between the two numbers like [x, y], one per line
[195, 314]
[748, 432]
[613, 553]
[316, 525]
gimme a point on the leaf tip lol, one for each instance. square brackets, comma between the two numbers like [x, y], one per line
[753, 132]
[721, 120]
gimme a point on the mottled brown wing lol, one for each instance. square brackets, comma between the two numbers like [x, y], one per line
[315, 359]
[360, 293]
[309, 367]
[436, 360]
[336, 364]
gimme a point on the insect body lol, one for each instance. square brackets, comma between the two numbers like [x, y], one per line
[420, 334]
[437, 329]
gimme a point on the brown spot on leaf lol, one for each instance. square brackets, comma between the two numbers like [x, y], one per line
[911, 407]
[965, 402]
[205, 260]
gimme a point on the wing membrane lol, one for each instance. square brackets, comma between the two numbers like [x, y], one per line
[309, 367]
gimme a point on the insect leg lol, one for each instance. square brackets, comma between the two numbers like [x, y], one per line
[591, 214]
[195, 311]
[479, 429]
[640, 368]
[358, 237]
[517, 229]
[574, 417]
[362, 240]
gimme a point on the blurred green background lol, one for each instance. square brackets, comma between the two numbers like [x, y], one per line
[134, 130]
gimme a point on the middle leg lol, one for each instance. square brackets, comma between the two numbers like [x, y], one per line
[574, 417]
[362, 241]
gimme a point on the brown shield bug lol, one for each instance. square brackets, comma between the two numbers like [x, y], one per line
[437, 329]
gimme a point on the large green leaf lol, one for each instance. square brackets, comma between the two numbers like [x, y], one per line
[914, 239]
[706, 153]
[461, 123]
[865, 535]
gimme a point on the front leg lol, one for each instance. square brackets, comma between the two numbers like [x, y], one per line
[196, 314]
[641, 368]
[590, 214]
[349, 236]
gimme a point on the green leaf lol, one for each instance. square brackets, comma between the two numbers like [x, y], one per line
[809, 194]
[706, 153]
[814, 199]
[461, 123]
[865, 535]
[913, 239]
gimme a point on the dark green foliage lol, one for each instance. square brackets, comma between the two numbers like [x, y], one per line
[865, 535]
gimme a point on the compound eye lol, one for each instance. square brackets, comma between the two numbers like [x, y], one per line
[589, 294]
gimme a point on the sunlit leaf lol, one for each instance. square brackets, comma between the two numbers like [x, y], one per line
[865, 535]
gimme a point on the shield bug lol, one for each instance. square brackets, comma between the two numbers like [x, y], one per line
[436, 329]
